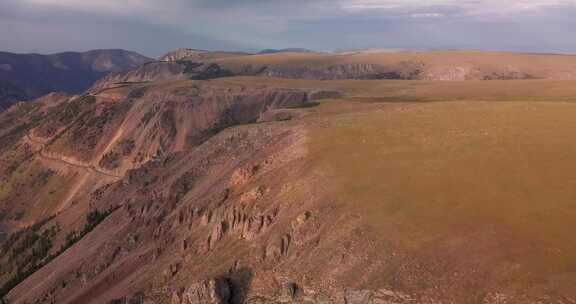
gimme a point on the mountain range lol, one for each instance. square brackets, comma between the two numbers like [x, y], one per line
[365, 177]
[28, 76]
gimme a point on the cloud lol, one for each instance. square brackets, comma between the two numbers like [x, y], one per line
[304, 8]
[427, 15]
[154, 26]
[104, 5]
[467, 7]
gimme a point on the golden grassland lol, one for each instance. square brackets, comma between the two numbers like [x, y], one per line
[431, 159]
[485, 170]
[420, 91]
[475, 173]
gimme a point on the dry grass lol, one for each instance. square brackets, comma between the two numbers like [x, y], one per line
[465, 181]
[415, 90]
[473, 181]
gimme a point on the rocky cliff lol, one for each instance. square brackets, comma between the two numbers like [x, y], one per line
[180, 208]
[198, 55]
[446, 66]
[158, 168]
[163, 71]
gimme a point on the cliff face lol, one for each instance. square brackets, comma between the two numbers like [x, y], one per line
[405, 70]
[423, 65]
[180, 54]
[163, 71]
[196, 64]
[153, 71]
[198, 55]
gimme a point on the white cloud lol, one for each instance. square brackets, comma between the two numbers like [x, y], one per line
[427, 15]
[79, 4]
[472, 7]
[469, 7]
[115, 6]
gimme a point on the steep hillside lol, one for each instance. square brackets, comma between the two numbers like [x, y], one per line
[59, 150]
[162, 71]
[28, 76]
[262, 190]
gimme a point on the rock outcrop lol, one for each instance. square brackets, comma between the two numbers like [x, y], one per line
[162, 71]
[196, 55]
[199, 64]
[153, 71]
[209, 292]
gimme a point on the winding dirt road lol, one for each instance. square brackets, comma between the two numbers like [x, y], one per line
[87, 170]
[42, 154]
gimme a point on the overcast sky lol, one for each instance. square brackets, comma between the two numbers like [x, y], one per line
[153, 27]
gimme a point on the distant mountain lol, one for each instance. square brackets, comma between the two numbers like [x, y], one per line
[28, 76]
[198, 55]
[288, 50]
[175, 65]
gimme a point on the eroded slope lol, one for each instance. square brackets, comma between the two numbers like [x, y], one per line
[58, 150]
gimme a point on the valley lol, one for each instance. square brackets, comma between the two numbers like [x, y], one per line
[28, 76]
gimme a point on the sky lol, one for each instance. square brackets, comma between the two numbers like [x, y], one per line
[153, 27]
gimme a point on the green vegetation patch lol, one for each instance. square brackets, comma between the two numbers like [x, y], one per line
[28, 250]
[25, 252]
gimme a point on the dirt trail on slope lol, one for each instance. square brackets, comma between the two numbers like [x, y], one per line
[90, 168]
[87, 171]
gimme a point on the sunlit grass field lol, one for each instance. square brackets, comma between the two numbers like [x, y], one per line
[469, 175]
